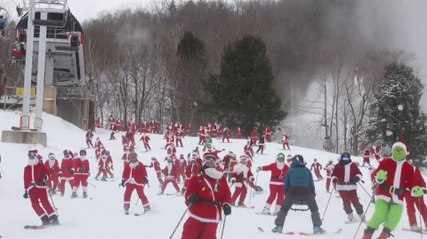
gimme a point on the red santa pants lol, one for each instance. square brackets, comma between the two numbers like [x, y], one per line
[178, 142]
[286, 145]
[53, 181]
[226, 137]
[268, 137]
[61, 186]
[201, 139]
[411, 202]
[39, 196]
[242, 191]
[147, 146]
[194, 229]
[317, 173]
[128, 193]
[167, 181]
[276, 191]
[348, 198]
[80, 179]
[366, 160]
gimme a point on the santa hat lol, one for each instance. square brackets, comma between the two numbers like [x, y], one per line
[32, 153]
[399, 144]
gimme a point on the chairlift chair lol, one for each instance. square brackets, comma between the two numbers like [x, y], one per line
[57, 13]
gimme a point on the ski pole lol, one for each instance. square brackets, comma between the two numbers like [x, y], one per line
[223, 226]
[251, 194]
[91, 184]
[53, 203]
[362, 220]
[419, 212]
[136, 201]
[182, 217]
[327, 204]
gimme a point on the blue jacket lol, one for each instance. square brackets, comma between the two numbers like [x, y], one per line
[298, 180]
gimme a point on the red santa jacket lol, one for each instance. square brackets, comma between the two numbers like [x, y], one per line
[170, 171]
[67, 168]
[344, 173]
[212, 194]
[157, 168]
[278, 172]
[145, 139]
[81, 166]
[316, 166]
[134, 173]
[399, 175]
[329, 168]
[33, 176]
[242, 174]
[52, 166]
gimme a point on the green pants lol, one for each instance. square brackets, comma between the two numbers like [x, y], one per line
[386, 212]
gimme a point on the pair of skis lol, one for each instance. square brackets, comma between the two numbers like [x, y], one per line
[301, 233]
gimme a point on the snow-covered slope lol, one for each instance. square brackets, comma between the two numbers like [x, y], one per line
[101, 214]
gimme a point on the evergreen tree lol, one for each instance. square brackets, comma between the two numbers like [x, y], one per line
[389, 121]
[190, 75]
[243, 95]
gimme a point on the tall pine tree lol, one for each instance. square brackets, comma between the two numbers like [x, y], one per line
[395, 113]
[243, 94]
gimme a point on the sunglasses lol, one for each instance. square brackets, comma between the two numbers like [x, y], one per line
[32, 155]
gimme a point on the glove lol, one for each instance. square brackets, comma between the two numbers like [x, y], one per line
[112, 168]
[183, 190]
[72, 171]
[59, 175]
[227, 209]
[122, 184]
[161, 180]
[25, 195]
[233, 180]
[258, 169]
[145, 180]
[381, 176]
[81, 169]
[354, 180]
[43, 176]
[252, 179]
[334, 180]
[192, 198]
[417, 191]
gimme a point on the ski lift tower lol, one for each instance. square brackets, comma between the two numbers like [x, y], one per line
[43, 14]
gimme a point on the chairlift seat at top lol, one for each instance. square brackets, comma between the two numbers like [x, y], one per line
[56, 13]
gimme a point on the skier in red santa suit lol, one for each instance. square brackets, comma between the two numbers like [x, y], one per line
[134, 177]
[247, 149]
[170, 172]
[261, 144]
[181, 164]
[278, 171]
[366, 154]
[178, 138]
[35, 176]
[418, 202]
[329, 168]
[253, 137]
[375, 150]
[67, 171]
[81, 168]
[109, 164]
[52, 166]
[102, 167]
[238, 133]
[316, 166]
[206, 196]
[240, 177]
[89, 136]
[346, 175]
[267, 133]
[285, 141]
[146, 140]
[156, 165]
[193, 166]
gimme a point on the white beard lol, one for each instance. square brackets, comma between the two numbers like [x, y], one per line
[280, 165]
[213, 173]
[241, 168]
[33, 162]
[134, 164]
